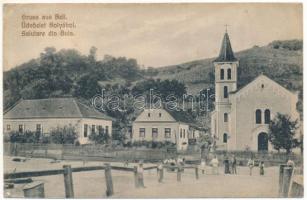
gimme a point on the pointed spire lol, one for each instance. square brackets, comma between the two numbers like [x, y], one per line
[226, 54]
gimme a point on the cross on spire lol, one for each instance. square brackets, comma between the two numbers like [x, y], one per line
[226, 25]
[226, 53]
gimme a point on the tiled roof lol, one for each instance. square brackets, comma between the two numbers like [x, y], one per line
[226, 53]
[53, 108]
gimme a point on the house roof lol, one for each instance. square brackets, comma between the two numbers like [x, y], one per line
[166, 116]
[226, 53]
[181, 116]
[52, 108]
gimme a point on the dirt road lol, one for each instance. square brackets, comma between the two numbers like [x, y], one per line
[92, 184]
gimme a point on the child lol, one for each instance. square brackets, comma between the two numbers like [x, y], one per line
[261, 166]
[202, 166]
[250, 164]
[234, 165]
[226, 163]
[215, 165]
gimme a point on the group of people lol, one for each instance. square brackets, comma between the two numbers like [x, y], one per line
[230, 165]
[179, 162]
[251, 165]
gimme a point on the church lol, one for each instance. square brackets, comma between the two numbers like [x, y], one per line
[241, 117]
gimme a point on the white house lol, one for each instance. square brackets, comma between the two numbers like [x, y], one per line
[241, 117]
[43, 115]
[160, 125]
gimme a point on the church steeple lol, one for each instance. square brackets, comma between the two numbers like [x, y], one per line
[225, 67]
[226, 53]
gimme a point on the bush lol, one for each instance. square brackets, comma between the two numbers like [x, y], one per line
[150, 144]
[100, 138]
[77, 143]
[26, 137]
[65, 135]
[291, 45]
[46, 139]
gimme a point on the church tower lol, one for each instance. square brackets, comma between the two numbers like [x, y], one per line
[225, 66]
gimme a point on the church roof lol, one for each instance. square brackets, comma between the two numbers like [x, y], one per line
[53, 108]
[261, 78]
[226, 53]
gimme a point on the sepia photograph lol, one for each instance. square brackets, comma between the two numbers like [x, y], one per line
[152, 100]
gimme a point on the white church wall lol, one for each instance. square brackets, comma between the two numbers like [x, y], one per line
[262, 94]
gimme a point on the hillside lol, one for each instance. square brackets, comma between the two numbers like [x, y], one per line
[68, 73]
[281, 64]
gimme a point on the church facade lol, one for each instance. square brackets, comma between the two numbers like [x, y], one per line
[241, 117]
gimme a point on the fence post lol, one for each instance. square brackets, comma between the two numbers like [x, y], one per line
[69, 190]
[15, 149]
[136, 181]
[286, 181]
[281, 175]
[34, 190]
[46, 151]
[196, 172]
[62, 152]
[160, 174]
[109, 182]
[178, 173]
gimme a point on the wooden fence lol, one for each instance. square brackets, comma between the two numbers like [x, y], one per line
[36, 190]
[88, 152]
[101, 153]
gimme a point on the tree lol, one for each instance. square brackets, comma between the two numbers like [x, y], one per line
[93, 54]
[26, 137]
[282, 131]
[87, 86]
[119, 135]
[204, 142]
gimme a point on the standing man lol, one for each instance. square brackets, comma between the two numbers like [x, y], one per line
[126, 164]
[234, 165]
[226, 163]
[140, 177]
[160, 172]
[290, 163]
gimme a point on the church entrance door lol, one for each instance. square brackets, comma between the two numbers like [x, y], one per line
[263, 142]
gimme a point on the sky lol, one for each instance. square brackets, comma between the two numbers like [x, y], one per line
[154, 34]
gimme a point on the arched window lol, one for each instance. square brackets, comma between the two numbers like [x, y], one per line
[225, 137]
[225, 92]
[267, 116]
[228, 74]
[225, 117]
[222, 74]
[258, 116]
